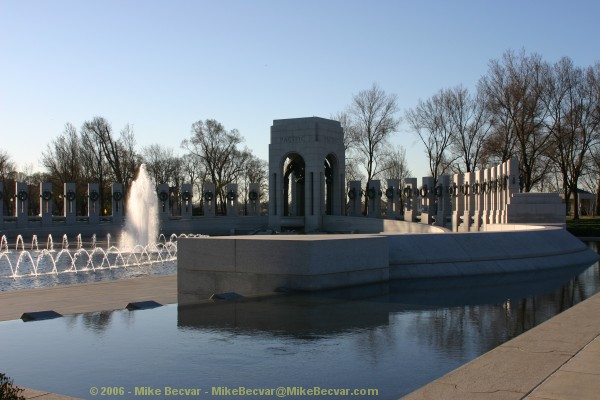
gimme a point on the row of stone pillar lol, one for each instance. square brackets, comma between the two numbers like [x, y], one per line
[373, 192]
[472, 200]
[209, 197]
[21, 203]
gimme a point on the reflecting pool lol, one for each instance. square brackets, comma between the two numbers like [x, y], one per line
[393, 337]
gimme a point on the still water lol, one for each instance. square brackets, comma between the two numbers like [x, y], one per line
[393, 337]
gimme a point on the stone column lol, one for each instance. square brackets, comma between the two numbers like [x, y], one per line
[117, 200]
[231, 198]
[513, 183]
[477, 189]
[374, 198]
[1, 204]
[493, 194]
[253, 207]
[444, 206]
[70, 203]
[411, 194]
[209, 199]
[354, 199]
[164, 209]
[427, 193]
[21, 204]
[459, 206]
[93, 203]
[186, 201]
[499, 201]
[46, 203]
[392, 195]
[485, 190]
[465, 191]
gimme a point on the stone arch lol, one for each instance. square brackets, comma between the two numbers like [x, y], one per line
[304, 155]
[293, 169]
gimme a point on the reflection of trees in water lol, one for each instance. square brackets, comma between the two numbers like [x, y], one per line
[97, 322]
[376, 342]
[467, 331]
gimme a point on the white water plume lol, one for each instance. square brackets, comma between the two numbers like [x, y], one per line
[141, 222]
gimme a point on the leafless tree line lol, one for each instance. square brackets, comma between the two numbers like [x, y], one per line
[545, 115]
[95, 153]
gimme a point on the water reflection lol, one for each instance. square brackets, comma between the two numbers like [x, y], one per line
[395, 337]
[458, 317]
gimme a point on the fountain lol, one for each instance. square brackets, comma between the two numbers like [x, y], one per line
[141, 225]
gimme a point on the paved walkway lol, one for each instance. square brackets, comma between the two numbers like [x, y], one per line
[559, 359]
[99, 296]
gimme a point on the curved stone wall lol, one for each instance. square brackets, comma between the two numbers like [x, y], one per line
[458, 254]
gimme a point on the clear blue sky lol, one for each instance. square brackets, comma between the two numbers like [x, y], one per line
[162, 65]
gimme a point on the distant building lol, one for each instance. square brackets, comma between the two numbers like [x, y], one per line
[587, 203]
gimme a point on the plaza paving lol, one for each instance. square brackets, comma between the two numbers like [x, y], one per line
[559, 359]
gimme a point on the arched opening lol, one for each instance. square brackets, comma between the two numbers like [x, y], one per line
[294, 186]
[330, 166]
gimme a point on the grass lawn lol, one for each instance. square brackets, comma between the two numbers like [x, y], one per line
[584, 227]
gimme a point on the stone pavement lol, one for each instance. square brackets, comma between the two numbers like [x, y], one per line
[98, 296]
[559, 359]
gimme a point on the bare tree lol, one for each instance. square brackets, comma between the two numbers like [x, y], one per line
[218, 152]
[513, 87]
[470, 127]
[431, 121]
[371, 121]
[119, 153]
[572, 122]
[7, 170]
[62, 157]
[161, 163]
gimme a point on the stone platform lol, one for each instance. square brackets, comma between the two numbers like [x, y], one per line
[255, 265]
[252, 265]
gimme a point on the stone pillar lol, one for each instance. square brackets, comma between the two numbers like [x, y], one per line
[427, 193]
[117, 200]
[46, 203]
[354, 199]
[93, 203]
[469, 208]
[513, 182]
[459, 206]
[392, 194]
[476, 188]
[231, 198]
[21, 204]
[443, 199]
[253, 207]
[486, 191]
[164, 209]
[186, 201]
[1, 204]
[209, 199]
[493, 194]
[374, 199]
[498, 194]
[411, 194]
[70, 203]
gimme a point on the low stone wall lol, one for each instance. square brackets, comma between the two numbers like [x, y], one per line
[507, 251]
[251, 265]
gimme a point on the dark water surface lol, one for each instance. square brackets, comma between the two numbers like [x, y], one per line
[393, 337]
